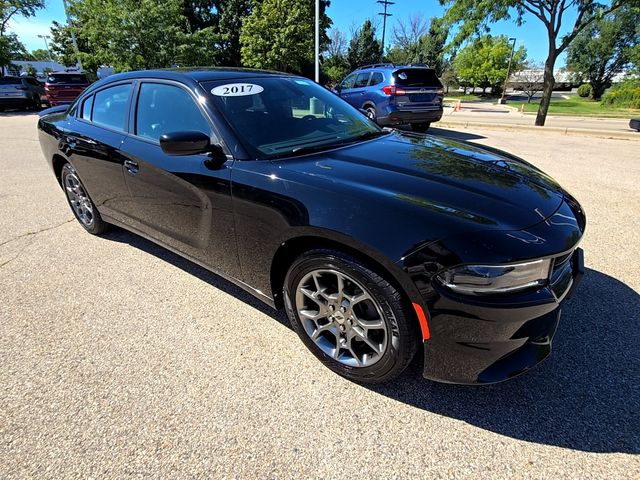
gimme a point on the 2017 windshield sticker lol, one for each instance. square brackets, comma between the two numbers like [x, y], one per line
[237, 90]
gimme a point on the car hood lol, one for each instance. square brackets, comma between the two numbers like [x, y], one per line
[470, 186]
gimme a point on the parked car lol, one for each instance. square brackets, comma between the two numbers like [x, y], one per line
[375, 242]
[394, 95]
[62, 88]
[20, 92]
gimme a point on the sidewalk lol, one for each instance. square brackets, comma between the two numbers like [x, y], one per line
[489, 115]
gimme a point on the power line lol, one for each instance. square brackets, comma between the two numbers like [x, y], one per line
[384, 14]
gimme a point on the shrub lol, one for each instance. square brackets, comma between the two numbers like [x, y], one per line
[584, 90]
[625, 95]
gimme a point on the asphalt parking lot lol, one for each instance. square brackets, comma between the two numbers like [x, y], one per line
[119, 359]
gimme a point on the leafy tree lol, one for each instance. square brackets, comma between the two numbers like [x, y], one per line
[364, 49]
[604, 48]
[11, 8]
[40, 55]
[432, 45]
[335, 65]
[279, 34]
[474, 16]
[10, 48]
[449, 76]
[419, 42]
[231, 14]
[200, 14]
[484, 62]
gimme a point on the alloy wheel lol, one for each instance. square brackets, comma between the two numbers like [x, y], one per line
[342, 318]
[78, 198]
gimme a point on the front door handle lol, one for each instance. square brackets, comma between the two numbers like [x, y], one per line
[131, 166]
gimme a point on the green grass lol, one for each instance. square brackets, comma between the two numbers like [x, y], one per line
[455, 96]
[582, 107]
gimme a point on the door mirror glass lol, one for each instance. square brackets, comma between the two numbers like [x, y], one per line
[185, 143]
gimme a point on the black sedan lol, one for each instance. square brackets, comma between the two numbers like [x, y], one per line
[377, 243]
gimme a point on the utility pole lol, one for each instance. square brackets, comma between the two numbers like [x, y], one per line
[503, 100]
[73, 35]
[384, 14]
[317, 52]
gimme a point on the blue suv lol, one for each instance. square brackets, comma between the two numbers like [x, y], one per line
[394, 95]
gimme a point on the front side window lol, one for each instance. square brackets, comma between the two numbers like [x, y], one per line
[276, 117]
[348, 82]
[167, 108]
[361, 80]
[110, 106]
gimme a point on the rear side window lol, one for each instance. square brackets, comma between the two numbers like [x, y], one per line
[87, 105]
[110, 106]
[361, 80]
[167, 108]
[416, 77]
[79, 79]
[376, 78]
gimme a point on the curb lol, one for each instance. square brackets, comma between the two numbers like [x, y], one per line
[572, 131]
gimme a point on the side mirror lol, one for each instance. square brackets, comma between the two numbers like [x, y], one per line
[185, 143]
[337, 89]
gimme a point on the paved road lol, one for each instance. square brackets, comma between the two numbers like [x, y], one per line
[492, 114]
[119, 359]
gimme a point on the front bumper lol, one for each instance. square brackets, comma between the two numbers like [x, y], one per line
[488, 340]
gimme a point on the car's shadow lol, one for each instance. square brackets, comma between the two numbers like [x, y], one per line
[586, 396]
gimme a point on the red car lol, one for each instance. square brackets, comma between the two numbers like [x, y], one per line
[64, 87]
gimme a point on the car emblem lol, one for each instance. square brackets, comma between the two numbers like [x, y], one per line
[422, 90]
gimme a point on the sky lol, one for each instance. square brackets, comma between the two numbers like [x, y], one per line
[346, 15]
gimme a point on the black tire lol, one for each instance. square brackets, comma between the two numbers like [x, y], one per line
[420, 127]
[401, 329]
[371, 112]
[634, 124]
[37, 103]
[96, 225]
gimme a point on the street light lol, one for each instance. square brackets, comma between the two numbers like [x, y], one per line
[503, 99]
[46, 45]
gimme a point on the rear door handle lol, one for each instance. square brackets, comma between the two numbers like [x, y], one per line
[131, 166]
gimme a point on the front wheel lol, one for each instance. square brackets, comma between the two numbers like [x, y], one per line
[421, 127]
[81, 204]
[349, 316]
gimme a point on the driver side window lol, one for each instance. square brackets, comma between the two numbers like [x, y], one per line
[349, 81]
[166, 108]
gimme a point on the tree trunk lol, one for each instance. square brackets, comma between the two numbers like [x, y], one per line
[548, 84]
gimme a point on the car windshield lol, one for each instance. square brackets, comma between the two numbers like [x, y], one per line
[277, 117]
[67, 78]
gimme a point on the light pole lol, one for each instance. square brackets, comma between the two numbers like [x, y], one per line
[384, 14]
[503, 99]
[73, 35]
[46, 45]
[317, 52]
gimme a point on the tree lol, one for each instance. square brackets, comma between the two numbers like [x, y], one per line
[484, 62]
[10, 48]
[11, 8]
[335, 65]
[530, 80]
[364, 49]
[432, 45]
[475, 15]
[40, 55]
[279, 34]
[604, 48]
[449, 76]
[231, 14]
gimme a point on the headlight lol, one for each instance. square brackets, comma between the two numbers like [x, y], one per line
[485, 279]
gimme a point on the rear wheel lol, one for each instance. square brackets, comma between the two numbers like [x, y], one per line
[350, 317]
[37, 102]
[81, 204]
[371, 113]
[420, 127]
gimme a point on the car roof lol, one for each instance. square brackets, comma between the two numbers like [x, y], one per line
[390, 67]
[197, 74]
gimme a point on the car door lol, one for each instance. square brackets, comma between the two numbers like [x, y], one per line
[358, 92]
[92, 138]
[178, 200]
[345, 87]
